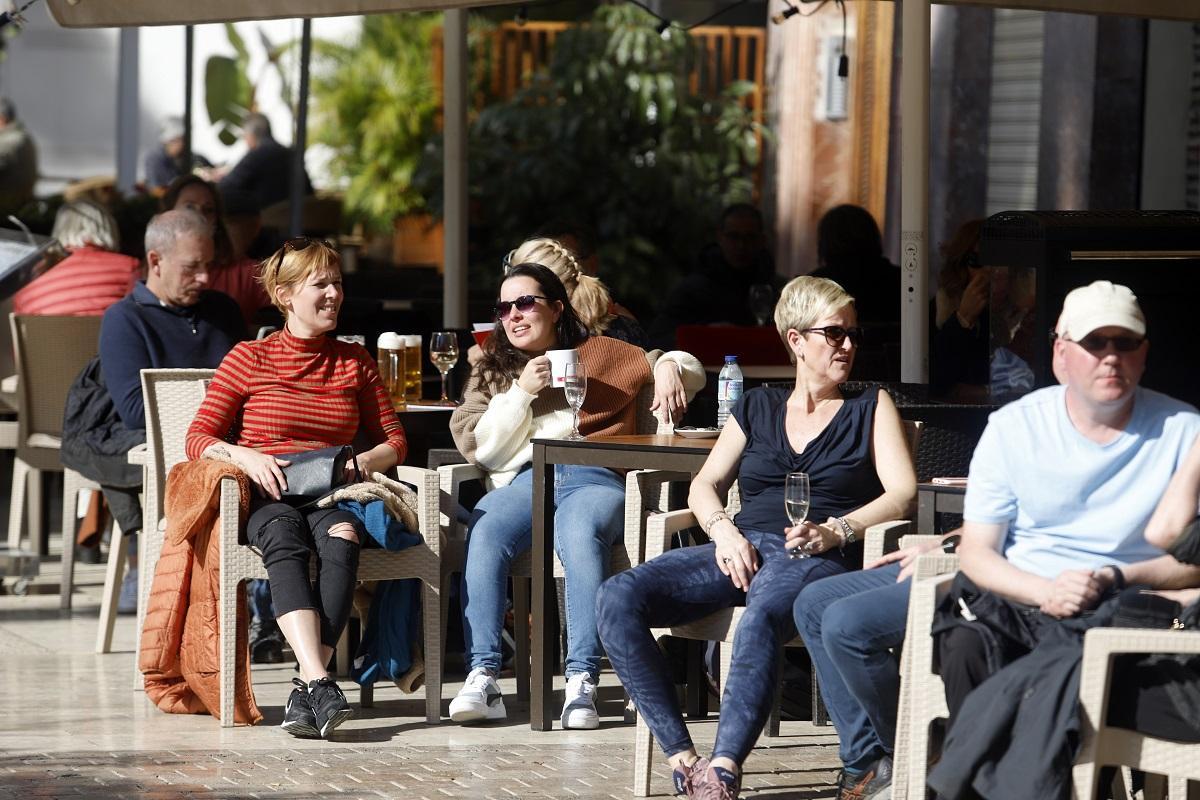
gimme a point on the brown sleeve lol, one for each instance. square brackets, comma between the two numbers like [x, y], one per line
[476, 396]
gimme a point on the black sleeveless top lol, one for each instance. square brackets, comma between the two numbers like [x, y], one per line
[841, 473]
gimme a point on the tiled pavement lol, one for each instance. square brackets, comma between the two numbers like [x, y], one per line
[72, 726]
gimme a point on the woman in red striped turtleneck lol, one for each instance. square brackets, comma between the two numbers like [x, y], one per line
[295, 391]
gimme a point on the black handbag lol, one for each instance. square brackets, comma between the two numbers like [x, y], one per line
[318, 472]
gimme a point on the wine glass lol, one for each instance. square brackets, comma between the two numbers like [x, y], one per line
[762, 302]
[443, 352]
[796, 500]
[575, 386]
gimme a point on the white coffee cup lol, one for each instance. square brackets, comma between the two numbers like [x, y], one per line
[558, 365]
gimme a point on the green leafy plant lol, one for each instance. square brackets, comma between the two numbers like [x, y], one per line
[229, 91]
[611, 136]
[375, 104]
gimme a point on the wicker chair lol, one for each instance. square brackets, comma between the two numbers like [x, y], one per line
[722, 625]
[624, 554]
[176, 397]
[50, 352]
[1102, 745]
[922, 693]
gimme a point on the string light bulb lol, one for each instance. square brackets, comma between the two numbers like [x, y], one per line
[786, 14]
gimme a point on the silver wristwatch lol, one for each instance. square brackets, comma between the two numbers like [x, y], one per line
[848, 534]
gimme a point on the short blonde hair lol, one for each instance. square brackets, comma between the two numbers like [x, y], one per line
[294, 263]
[805, 300]
[83, 222]
[589, 296]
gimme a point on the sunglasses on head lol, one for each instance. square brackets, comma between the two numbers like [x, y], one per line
[295, 245]
[836, 334]
[1095, 343]
[524, 304]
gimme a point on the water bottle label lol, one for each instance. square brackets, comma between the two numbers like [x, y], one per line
[732, 391]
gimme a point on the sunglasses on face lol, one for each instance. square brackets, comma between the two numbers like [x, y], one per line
[1096, 344]
[524, 304]
[836, 334]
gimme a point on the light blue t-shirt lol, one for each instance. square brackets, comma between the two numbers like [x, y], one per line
[1069, 502]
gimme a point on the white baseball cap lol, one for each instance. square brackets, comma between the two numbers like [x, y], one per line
[1100, 304]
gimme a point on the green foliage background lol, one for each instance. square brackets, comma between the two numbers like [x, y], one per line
[610, 136]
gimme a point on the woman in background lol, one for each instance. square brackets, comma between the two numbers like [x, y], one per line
[92, 277]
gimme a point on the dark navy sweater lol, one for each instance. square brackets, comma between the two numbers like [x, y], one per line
[140, 333]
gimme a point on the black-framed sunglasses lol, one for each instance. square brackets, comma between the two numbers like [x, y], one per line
[836, 334]
[524, 304]
[295, 245]
[1097, 344]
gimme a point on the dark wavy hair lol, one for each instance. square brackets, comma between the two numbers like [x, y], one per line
[502, 361]
[223, 245]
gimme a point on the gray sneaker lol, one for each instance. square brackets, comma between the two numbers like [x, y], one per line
[127, 601]
[874, 784]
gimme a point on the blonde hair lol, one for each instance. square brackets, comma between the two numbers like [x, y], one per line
[805, 300]
[290, 266]
[589, 296]
[85, 222]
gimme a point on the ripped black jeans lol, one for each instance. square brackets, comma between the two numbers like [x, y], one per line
[287, 537]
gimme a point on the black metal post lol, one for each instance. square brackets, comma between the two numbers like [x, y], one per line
[300, 141]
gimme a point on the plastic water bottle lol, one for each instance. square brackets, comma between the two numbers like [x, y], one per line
[729, 388]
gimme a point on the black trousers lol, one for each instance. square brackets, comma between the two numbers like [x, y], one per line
[287, 537]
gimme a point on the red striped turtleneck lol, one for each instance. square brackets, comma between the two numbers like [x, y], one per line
[284, 394]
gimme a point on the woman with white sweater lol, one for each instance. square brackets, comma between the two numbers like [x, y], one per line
[509, 401]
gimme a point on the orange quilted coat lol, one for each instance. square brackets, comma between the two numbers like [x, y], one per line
[181, 643]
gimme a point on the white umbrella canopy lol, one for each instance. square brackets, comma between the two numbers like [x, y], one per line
[116, 13]
[120, 13]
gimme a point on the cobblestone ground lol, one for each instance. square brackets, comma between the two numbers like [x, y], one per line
[73, 726]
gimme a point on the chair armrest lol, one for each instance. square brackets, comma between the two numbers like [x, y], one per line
[661, 527]
[428, 483]
[936, 564]
[1101, 644]
[138, 454]
[1105, 642]
[644, 490]
[883, 538]
[916, 539]
[451, 477]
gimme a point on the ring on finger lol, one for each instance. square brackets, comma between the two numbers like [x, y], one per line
[726, 560]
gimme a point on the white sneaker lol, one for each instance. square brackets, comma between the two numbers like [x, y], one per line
[479, 699]
[579, 706]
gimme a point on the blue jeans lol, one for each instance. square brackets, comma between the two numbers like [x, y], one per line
[684, 585]
[849, 623]
[588, 520]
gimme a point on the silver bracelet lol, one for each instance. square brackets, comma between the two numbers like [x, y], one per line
[848, 534]
[713, 518]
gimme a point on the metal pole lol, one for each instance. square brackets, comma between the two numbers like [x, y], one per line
[914, 192]
[454, 181]
[128, 115]
[300, 142]
[189, 53]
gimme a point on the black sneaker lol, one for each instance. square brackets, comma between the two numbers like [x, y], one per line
[298, 717]
[329, 705]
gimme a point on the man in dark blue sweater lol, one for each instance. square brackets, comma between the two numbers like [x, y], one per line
[169, 320]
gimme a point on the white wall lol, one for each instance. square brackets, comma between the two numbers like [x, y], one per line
[64, 82]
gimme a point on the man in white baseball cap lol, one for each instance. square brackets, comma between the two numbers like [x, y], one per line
[1061, 487]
